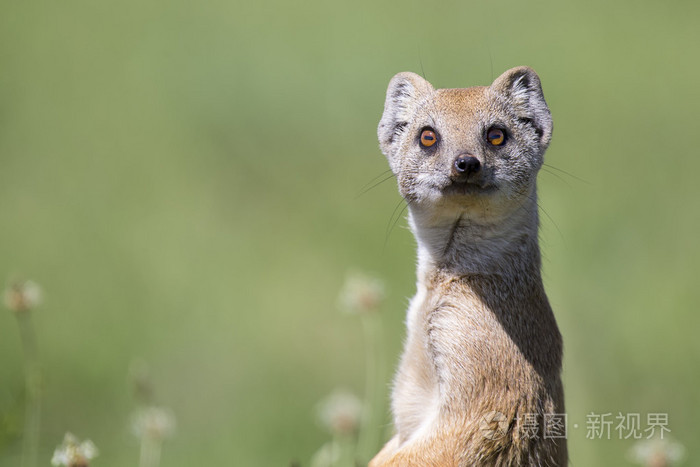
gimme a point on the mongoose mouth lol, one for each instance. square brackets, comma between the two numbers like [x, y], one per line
[468, 189]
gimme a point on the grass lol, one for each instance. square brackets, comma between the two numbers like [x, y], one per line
[181, 179]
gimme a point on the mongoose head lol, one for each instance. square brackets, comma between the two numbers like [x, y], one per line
[473, 151]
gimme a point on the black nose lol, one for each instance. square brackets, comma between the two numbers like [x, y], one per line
[466, 165]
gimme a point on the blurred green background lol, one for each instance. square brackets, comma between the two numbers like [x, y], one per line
[181, 178]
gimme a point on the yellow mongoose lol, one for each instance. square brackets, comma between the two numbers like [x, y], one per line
[479, 380]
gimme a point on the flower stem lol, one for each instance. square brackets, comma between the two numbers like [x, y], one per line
[32, 378]
[150, 452]
[343, 452]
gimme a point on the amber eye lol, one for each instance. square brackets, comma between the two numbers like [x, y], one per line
[428, 138]
[496, 136]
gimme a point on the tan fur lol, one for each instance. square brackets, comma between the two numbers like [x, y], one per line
[481, 336]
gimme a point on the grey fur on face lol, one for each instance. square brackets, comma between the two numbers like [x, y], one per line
[514, 103]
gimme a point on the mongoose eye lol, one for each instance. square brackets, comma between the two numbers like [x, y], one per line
[428, 138]
[496, 136]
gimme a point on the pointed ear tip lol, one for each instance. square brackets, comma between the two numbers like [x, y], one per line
[408, 76]
[522, 71]
[516, 75]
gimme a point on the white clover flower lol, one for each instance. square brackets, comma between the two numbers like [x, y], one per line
[22, 296]
[657, 452]
[340, 412]
[361, 293]
[73, 453]
[154, 423]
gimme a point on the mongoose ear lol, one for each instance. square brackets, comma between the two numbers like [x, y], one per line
[405, 93]
[522, 88]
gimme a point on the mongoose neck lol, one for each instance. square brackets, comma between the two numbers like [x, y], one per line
[460, 243]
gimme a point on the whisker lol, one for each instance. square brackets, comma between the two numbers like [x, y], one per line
[420, 60]
[392, 222]
[539, 206]
[375, 178]
[551, 219]
[391, 218]
[568, 173]
[374, 183]
[554, 174]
